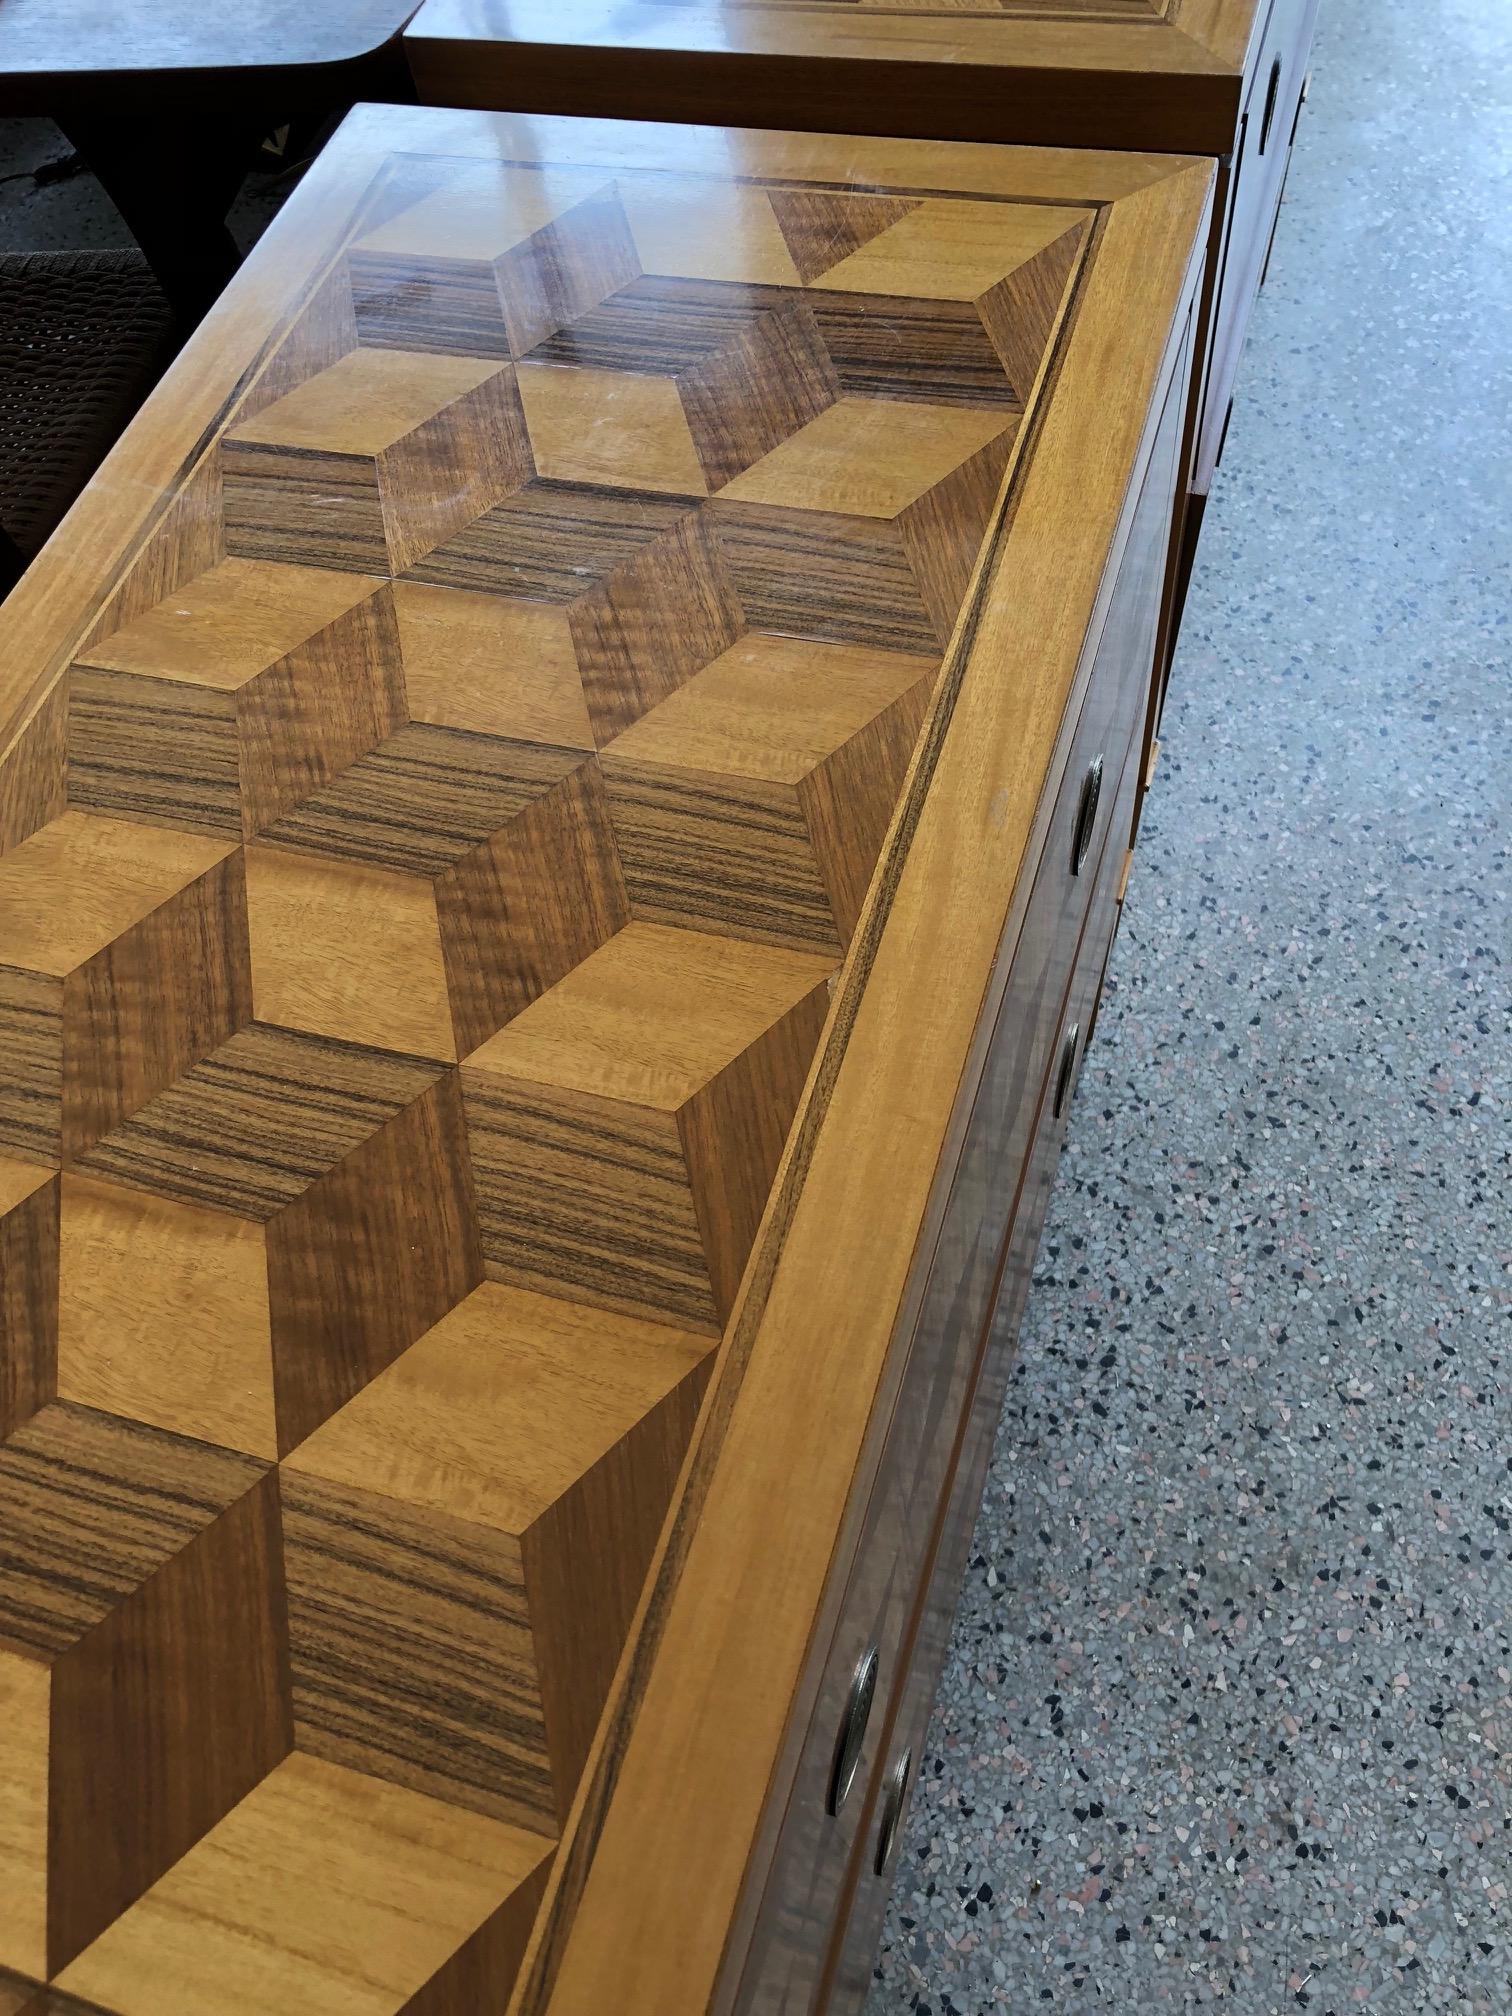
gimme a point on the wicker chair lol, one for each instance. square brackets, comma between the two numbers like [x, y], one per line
[83, 338]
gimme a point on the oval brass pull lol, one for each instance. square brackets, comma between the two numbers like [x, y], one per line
[1272, 92]
[1067, 1068]
[858, 1705]
[892, 1810]
[1086, 814]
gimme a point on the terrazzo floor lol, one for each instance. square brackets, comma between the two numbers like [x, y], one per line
[1227, 1715]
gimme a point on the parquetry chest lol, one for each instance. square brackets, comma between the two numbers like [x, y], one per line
[564, 798]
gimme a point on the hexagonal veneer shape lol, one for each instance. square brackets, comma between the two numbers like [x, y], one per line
[493, 263]
[452, 872]
[466, 1540]
[123, 961]
[373, 461]
[754, 799]
[233, 698]
[625, 1128]
[511, 867]
[343, 1169]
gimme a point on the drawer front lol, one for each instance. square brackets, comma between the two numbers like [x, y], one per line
[1261, 151]
[819, 1830]
[1082, 861]
[902, 1730]
[1027, 1039]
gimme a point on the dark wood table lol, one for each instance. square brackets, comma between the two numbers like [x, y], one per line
[165, 100]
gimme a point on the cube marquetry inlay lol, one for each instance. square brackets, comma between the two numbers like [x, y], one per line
[459, 811]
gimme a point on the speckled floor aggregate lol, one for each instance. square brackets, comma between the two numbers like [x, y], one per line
[1227, 1718]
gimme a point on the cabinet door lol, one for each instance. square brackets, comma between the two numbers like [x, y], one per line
[1261, 150]
[904, 1727]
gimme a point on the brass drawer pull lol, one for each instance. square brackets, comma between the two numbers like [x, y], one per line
[1086, 814]
[892, 1810]
[1272, 92]
[858, 1705]
[1067, 1069]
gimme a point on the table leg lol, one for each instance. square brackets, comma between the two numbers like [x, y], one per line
[12, 563]
[173, 178]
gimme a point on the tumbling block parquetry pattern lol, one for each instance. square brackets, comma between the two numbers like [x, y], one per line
[463, 807]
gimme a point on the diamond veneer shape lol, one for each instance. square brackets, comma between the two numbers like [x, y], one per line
[163, 1315]
[952, 249]
[609, 427]
[873, 457]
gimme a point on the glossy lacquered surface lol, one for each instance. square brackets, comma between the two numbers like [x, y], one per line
[677, 1849]
[447, 822]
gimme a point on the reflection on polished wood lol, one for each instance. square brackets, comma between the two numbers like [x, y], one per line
[509, 748]
[1163, 74]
